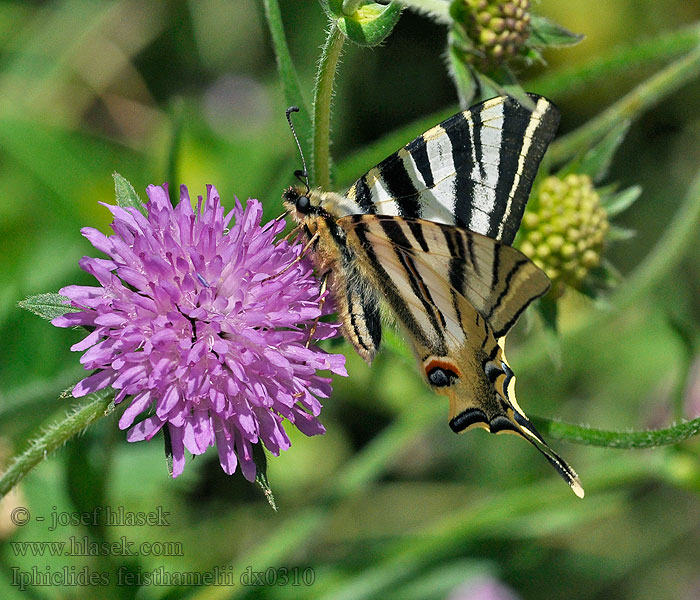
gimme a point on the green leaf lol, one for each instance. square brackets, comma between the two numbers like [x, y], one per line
[126, 194]
[288, 74]
[620, 234]
[547, 307]
[260, 459]
[648, 93]
[463, 76]
[369, 25]
[600, 279]
[571, 81]
[544, 32]
[597, 160]
[47, 306]
[617, 439]
[614, 204]
[504, 81]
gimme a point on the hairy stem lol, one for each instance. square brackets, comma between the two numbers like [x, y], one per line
[55, 436]
[323, 97]
[617, 439]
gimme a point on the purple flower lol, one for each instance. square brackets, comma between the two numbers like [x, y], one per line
[187, 322]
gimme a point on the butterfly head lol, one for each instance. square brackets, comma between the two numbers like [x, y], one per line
[313, 209]
[300, 203]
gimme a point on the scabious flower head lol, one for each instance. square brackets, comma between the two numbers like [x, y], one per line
[200, 327]
[497, 29]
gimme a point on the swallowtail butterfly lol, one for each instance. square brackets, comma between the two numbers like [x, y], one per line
[429, 232]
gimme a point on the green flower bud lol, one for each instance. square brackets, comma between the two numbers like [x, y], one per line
[498, 29]
[564, 230]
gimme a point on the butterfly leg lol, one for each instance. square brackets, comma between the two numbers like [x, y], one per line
[321, 302]
[298, 259]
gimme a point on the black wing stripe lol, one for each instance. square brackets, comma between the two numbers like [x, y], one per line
[514, 125]
[419, 151]
[352, 311]
[417, 231]
[399, 185]
[373, 321]
[395, 233]
[505, 286]
[392, 294]
[534, 135]
[463, 151]
[363, 196]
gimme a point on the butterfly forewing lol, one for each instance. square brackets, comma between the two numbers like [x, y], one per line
[474, 170]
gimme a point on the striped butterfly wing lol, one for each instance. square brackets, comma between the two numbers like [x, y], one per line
[457, 293]
[474, 170]
[432, 263]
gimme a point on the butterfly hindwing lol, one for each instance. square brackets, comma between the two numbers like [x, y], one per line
[432, 261]
[474, 170]
[449, 318]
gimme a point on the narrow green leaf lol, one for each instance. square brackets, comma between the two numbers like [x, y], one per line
[260, 459]
[370, 24]
[644, 96]
[544, 32]
[462, 75]
[288, 74]
[597, 160]
[504, 81]
[547, 307]
[616, 203]
[126, 194]
[47, 306]
[620, 234]
[569, 81]
[168, 450]
[96, 405]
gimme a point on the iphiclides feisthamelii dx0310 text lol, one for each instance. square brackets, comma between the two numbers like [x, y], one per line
[428, 231]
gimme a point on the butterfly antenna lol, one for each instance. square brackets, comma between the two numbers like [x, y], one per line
[302, 176]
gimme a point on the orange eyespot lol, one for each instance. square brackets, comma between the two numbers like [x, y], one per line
[441, 373]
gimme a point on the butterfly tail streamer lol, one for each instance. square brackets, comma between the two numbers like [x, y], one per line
[528, 431]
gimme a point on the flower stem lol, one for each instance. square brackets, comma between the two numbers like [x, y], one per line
[54, 436]
[617, 439]
[323, 96]
[641, 98]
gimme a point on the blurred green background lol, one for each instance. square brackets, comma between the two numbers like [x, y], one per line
[389, 503]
